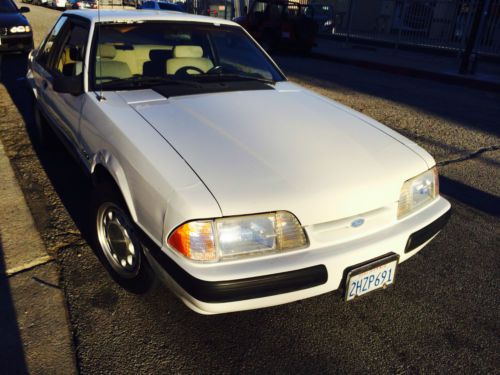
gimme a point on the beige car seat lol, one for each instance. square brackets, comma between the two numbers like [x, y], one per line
[107, 68]
[70, 63]
[185, 56]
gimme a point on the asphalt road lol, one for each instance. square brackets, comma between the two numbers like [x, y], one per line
[442, 316]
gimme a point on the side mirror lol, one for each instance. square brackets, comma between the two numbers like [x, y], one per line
[68, 85]
[24, 10]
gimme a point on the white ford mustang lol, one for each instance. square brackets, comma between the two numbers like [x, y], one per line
[239, 188]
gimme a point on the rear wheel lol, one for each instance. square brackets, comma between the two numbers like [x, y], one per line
[116, 240]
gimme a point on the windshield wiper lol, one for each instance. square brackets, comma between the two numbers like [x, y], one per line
[235, 77]
[145, 81]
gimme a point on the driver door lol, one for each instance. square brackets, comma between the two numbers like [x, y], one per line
[67, 60]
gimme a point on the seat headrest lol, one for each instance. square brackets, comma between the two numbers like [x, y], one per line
[188, 51]
[107, 51]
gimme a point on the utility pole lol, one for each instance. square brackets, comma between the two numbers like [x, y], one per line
[471, 41]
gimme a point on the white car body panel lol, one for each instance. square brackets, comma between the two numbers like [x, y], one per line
[291, 160]
[149, 191]
[236, 153]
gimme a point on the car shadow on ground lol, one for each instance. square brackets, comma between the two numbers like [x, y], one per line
[66, 176]
[12, 359]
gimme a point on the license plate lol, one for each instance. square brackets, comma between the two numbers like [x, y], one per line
[373, 276]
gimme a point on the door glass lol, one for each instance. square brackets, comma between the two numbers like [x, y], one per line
[70, 60]
[42, 56]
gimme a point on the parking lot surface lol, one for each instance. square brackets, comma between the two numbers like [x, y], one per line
[441, 317]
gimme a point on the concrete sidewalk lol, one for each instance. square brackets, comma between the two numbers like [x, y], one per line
[35, 335]
[442, 68]
[34, 329]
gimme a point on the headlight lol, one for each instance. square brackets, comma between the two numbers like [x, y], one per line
[236, 237]
[418, 191]
[20, 29]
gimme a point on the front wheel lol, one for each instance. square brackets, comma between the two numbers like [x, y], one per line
[116, 240]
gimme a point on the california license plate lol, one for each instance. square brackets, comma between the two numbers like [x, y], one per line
[373, 276]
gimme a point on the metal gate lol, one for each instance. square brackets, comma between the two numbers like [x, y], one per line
[440, 24]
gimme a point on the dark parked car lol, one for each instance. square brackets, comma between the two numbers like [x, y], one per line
[15, 30]
[281, 23]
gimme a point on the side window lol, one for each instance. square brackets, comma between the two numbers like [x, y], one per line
[69, 61]
[42, 56]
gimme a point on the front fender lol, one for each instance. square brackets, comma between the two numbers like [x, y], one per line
[111, 164]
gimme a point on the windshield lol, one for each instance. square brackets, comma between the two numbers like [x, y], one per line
[128, 54]
[7, 6]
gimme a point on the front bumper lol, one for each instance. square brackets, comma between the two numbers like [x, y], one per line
[275, 280]
[16, 43]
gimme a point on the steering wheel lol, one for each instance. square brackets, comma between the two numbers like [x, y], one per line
[215, 69]
[184, 70]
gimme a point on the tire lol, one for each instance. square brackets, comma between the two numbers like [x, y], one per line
[43, 133]
[115, 239]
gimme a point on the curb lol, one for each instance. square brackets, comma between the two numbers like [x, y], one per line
[412, 72]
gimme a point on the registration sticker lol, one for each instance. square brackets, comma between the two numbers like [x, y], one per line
[373, 276]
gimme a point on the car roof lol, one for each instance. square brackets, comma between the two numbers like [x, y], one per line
[111, 15]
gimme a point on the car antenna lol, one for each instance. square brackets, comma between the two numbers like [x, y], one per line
[100, 96]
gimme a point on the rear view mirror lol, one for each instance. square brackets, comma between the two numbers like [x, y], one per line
[68, 85]
[24, 10]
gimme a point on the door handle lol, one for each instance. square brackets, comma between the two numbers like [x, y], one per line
[44, 85]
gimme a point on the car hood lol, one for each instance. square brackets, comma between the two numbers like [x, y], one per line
[9, 19]
[283, 149]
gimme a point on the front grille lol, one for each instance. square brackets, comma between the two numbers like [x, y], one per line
[426, 233]
[3, 31]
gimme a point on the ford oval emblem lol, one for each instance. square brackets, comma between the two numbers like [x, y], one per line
[358, 222]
